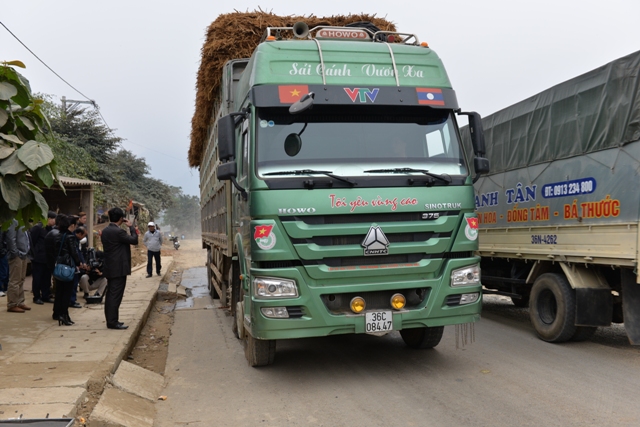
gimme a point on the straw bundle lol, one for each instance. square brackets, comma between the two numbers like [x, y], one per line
[236, 35]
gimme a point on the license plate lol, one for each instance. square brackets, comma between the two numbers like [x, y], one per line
[377, 322]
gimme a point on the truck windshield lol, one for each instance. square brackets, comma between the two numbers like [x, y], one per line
[357, 141]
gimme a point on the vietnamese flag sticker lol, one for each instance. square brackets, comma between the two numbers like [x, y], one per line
[291, 93]
[264, 236]
[471, 230]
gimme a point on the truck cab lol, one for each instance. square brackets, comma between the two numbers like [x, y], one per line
[338, 198]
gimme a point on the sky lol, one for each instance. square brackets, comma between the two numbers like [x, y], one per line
[138, 59]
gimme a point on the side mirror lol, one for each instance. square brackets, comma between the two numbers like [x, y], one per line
[226, 171]
[481, 165]
[477, 134]
[226, 138]
[292, 144]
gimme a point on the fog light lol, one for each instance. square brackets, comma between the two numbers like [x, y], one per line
[469, 298]
[358, 304]
[398, 301]
[275, 312]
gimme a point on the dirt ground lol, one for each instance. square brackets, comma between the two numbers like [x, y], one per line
[151, 349]
[150, 352]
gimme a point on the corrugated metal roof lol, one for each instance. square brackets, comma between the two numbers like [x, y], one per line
[65, 180]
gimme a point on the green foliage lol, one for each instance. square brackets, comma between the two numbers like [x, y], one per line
[85, 148]
[21, 120]
[184, 214]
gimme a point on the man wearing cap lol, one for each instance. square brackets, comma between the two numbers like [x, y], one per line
[153, 241]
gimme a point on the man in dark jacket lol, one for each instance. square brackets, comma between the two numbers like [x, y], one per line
[41, 274]
[117, 263]
[19, 253]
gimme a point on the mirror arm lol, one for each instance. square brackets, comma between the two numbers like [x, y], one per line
[242, 191]
[244, 113]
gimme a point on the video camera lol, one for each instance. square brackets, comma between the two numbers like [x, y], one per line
[95, 260]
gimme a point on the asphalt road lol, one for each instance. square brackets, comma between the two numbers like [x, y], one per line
[507, 377]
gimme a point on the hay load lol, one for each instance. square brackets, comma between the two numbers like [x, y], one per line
[236, 35]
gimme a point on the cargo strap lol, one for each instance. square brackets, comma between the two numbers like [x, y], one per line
[324, 81]
[393, 61]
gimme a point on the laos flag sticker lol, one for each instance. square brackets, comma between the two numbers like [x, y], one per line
[471, 230]
[264, 237]
[429, 96]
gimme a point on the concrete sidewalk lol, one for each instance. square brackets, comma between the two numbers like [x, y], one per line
[46, 369]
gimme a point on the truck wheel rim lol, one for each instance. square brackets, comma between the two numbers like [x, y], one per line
[547, 307]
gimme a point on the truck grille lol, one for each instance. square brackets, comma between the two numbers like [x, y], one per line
[366, 260]
[326, 242]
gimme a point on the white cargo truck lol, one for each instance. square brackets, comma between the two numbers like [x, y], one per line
[559, 212]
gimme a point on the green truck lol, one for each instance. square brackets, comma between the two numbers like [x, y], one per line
[559, 212]
[336, 196]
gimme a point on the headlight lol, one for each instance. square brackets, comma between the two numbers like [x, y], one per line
[468, 276]
[268, 287]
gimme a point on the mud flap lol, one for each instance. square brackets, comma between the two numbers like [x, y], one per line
[631, 305]
[594, 307]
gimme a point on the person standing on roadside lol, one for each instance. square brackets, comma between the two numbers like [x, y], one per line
[153, 241]
[41, 284]
[61, 246]
[117, 263]
[82, 222]
[18, 252]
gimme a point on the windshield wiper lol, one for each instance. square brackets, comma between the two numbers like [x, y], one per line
[312, 172]
[444, 177]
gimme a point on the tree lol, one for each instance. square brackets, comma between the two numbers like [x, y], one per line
[86, 130]
[88, 149]
[21, 155]
[131, 181]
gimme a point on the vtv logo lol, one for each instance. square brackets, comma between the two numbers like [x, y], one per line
[362, 94]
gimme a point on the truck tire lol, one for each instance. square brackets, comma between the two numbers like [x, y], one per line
[422, 337]
[259, 352]
[234, 285]
[583, 333]
[552, 308]
[521, 302]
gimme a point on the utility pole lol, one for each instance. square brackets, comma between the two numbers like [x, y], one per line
[73, 104]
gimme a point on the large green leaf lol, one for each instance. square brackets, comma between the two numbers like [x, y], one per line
[5, 150]
[24, 131]
[6, 214]
[45, 175]
[35, 154]
[32, 187]
[42, 204]
[11, 138]
[26, 196]
[4, 117]
[27, 122]
[7, 91]
[54, 169]
[15, 63]
[10, 191]
[12, 165]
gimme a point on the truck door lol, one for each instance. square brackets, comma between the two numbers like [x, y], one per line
[242, 216]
